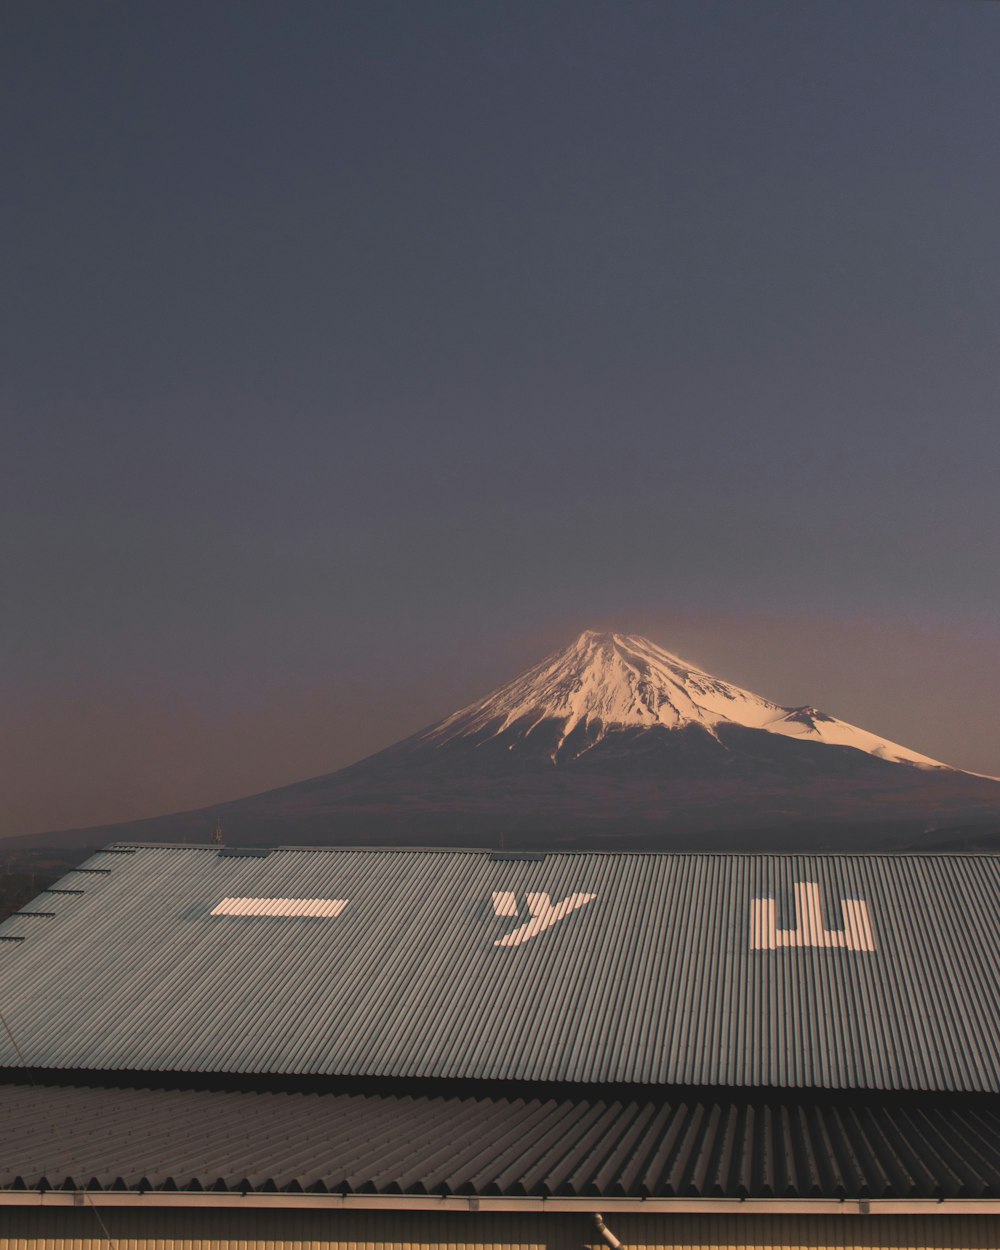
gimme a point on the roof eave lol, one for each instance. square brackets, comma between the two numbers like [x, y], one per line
[499, 1204]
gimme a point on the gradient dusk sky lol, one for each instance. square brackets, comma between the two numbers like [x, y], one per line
[356, 354]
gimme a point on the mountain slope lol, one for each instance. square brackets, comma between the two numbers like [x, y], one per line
[604, 683]
[614, 742]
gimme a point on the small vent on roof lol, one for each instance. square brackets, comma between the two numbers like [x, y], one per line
[103, 872]
[54, 890]
[239, 852]
[4, 937]
[498, 855]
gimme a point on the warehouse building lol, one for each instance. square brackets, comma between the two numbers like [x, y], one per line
[374, 1048]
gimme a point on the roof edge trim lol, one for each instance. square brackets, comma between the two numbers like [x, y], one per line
[430, 1202]
[122, 846]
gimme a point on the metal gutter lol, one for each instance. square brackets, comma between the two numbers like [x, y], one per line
[425, 1202]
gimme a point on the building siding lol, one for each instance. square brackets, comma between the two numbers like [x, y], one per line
[223, 1230]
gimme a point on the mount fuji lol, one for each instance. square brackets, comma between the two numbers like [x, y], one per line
[613, 742]
[607, 685]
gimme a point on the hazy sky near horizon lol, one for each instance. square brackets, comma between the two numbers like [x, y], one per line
[358, 353]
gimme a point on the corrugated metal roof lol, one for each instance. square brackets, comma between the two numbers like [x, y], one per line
[683, 1144]
[571, 967]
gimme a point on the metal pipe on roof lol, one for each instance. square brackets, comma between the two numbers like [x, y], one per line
[607, 1236]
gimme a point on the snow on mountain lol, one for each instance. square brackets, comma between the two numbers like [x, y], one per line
[606, 682]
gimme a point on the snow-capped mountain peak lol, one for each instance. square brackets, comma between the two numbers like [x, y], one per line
[606, 682]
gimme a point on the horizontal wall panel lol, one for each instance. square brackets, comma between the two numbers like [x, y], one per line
[184, 1230]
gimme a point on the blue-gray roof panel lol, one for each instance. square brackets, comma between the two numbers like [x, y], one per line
[867, 971]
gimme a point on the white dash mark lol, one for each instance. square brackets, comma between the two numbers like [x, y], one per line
[328, 907]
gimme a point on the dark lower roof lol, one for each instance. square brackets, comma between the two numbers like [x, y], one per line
[683, 1144]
